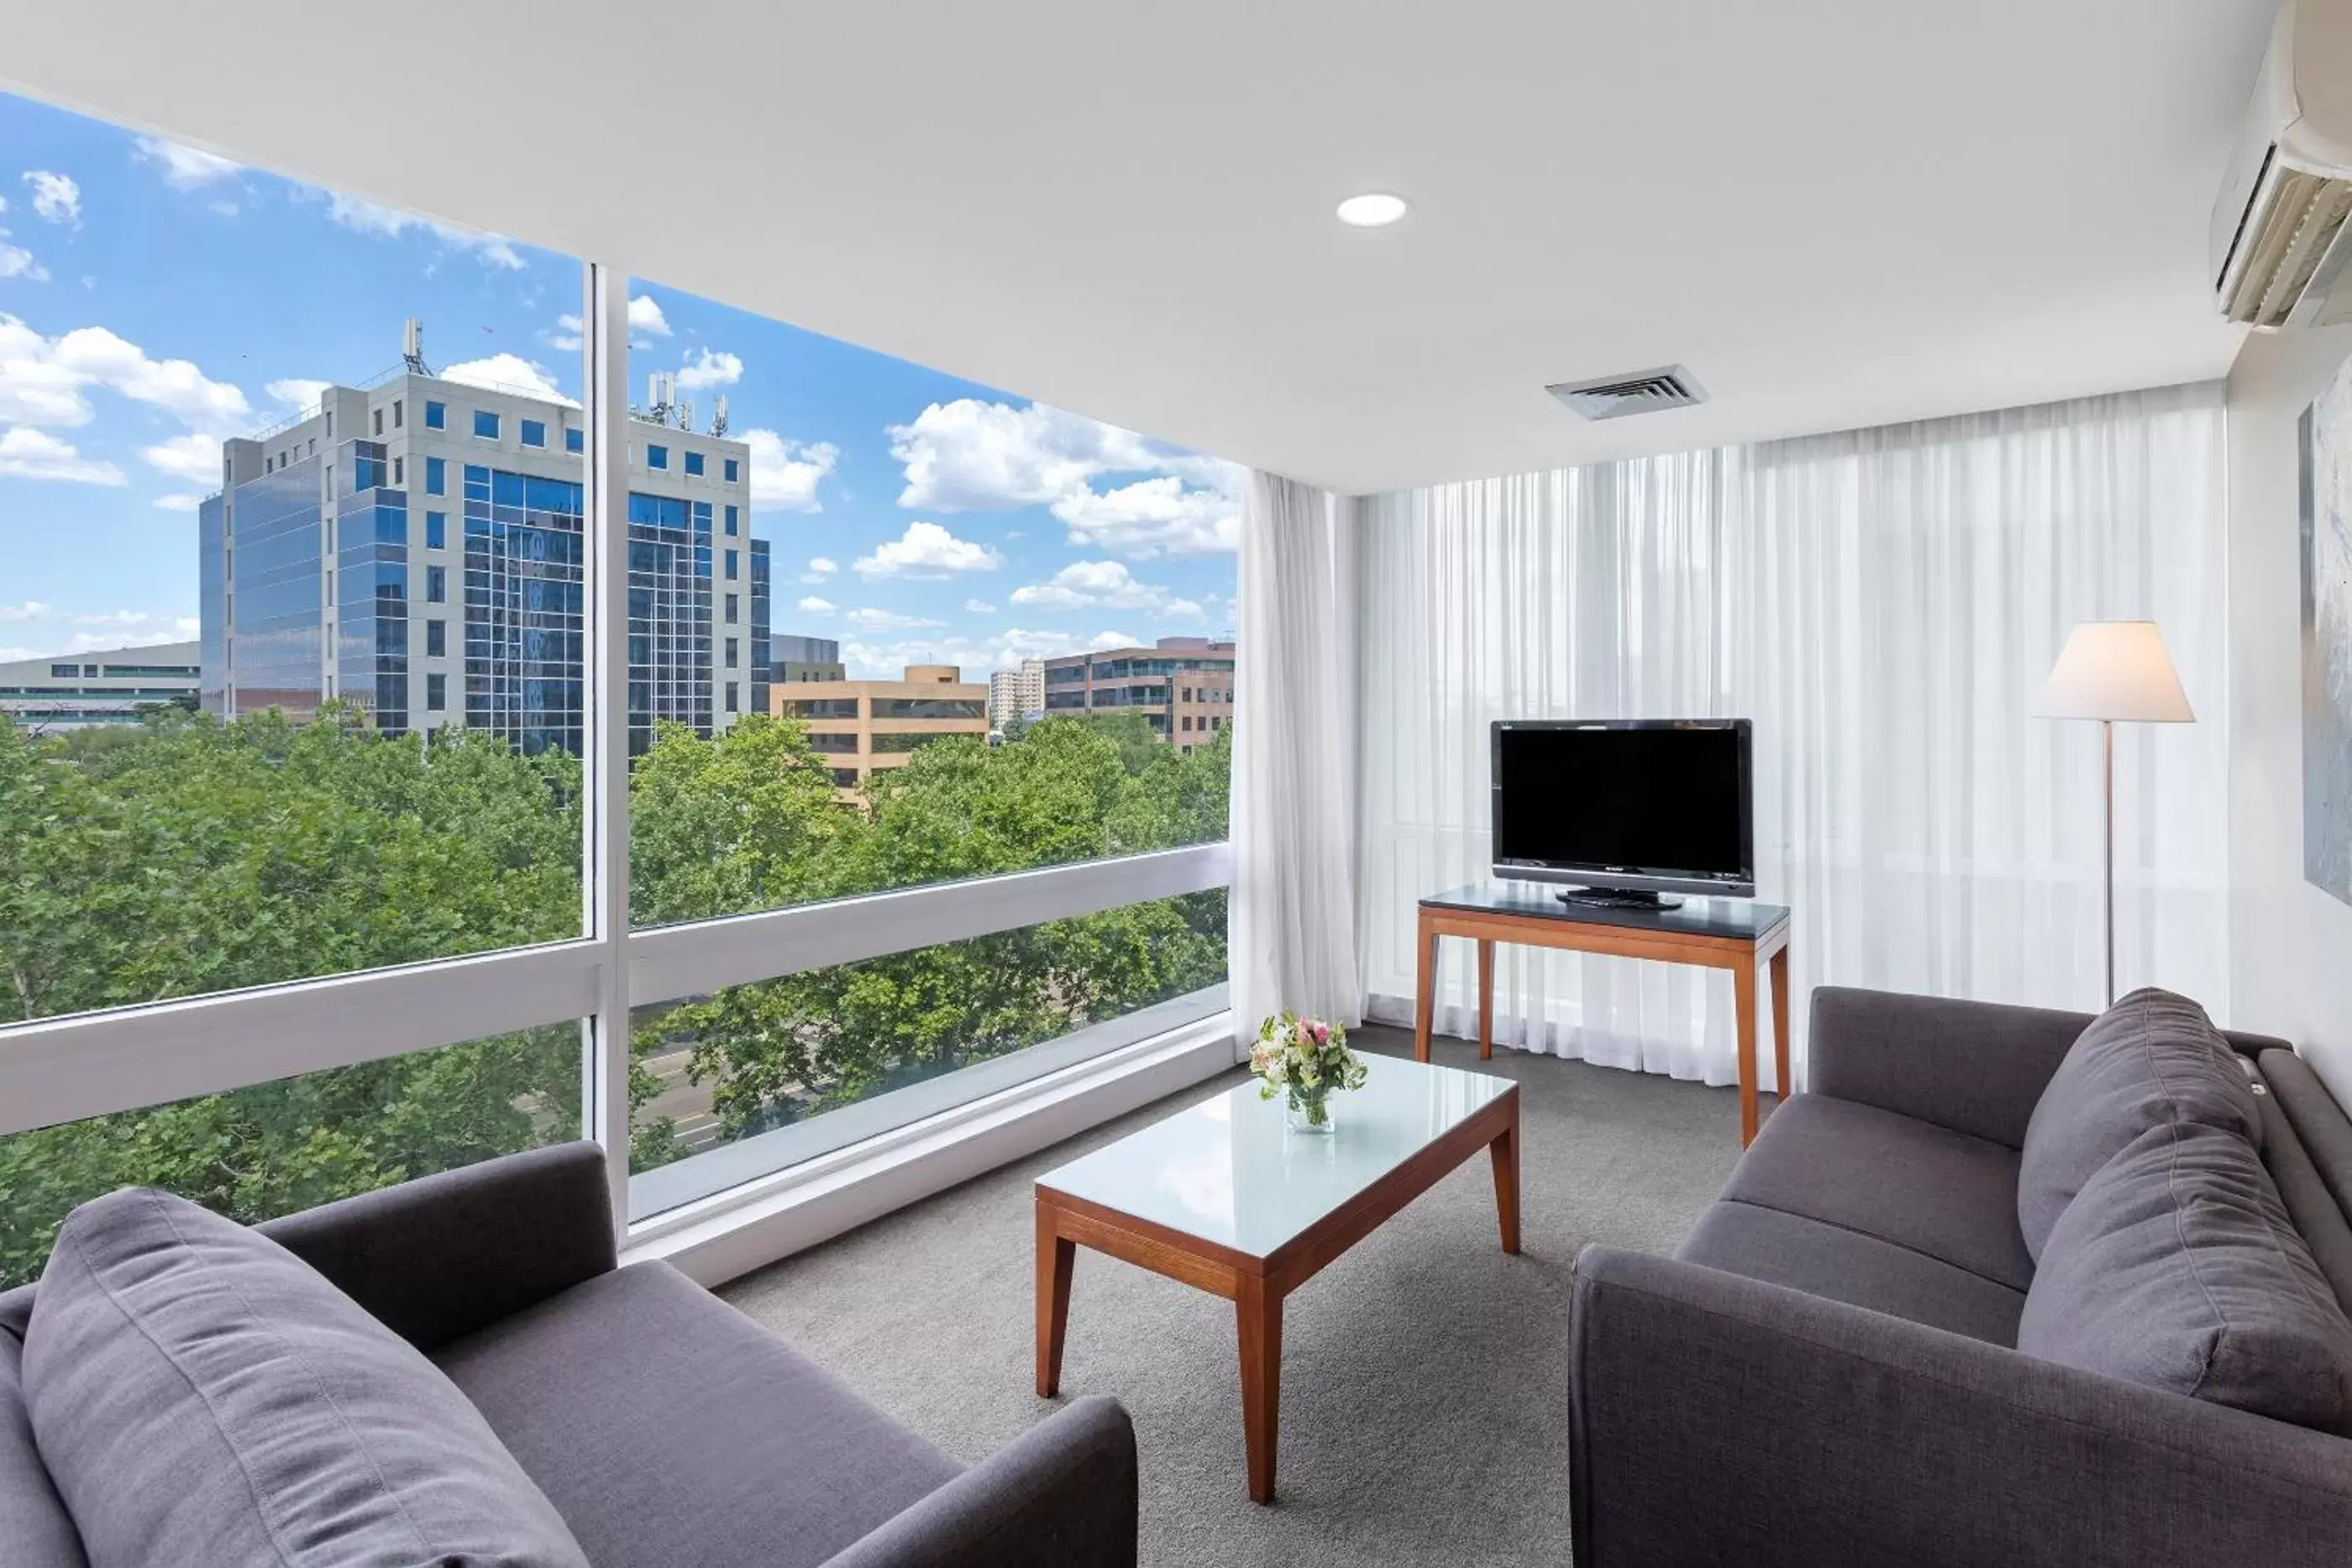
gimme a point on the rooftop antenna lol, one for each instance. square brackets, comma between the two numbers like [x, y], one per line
[656, 399]
[718, 417]
[412, 348]
[686, 415]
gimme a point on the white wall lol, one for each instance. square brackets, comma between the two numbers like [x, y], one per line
[2290, 944]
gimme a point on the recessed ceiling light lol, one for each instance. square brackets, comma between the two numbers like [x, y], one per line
[1372, 210]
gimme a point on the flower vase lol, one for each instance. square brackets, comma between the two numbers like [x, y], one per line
[1308, 1111]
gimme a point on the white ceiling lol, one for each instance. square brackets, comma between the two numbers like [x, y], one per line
[1836, 213]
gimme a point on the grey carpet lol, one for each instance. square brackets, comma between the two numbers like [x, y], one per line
[1423, 1378]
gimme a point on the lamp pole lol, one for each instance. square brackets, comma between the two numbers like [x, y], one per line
[2108, 852]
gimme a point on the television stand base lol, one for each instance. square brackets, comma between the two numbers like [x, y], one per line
[1617, 898]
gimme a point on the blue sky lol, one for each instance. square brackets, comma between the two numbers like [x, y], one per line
[154, 299]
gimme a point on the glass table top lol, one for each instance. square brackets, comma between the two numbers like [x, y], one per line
[1230, 1171]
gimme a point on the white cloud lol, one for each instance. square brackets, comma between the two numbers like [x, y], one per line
[813, 605]
[1153, 516]
[187, 625]
[299, 393]
[185, 167]
[30, 610]
[44, 381]
[970, 456]
[869, 619]
[503, 371]
[785, 474]
[29, 454]
[178, 502]
[819, 569]
[16, 261]
[926, 550]
[975, 656]
[1111, 639]
[226, 209]
[979, 607]
[114, 618]
[710, 369]
[566, 335]
[364, 216]
[55, 197]
[195, 457]
[1107, 584]
[645, 316]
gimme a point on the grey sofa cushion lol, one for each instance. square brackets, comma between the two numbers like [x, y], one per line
[1948, 1195]
[699, 1438]
[2152, 1060]
[201, 1396]
[36, 1531]
[1825, 1259]
[2176, 1268]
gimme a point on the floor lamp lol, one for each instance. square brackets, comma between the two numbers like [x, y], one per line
[2114, 672]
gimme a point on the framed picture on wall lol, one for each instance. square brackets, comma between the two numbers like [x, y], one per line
[2326, 495]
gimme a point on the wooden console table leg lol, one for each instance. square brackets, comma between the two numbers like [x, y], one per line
[1743, 1006]
[1506, 1150]
[1056, 1256]
[1425, 990]
[1485, 999]
[1258, 1314]
[1783, 1082]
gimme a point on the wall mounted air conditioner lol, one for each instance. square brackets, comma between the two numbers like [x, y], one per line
[2281, 241]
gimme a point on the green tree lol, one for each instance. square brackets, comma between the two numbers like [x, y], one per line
[184, 855]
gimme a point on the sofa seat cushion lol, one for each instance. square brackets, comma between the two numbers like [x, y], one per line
[2152, 1060]
[201, 1396]
[1828, 1261]
[1935, 1191]
[2178, 1268]
[34, 1524]
[670, 1428]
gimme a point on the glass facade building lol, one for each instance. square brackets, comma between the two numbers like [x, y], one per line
[316, 562]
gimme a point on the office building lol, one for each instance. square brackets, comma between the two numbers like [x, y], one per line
[795, 658]
[414, 546]
[1016, 692]
[1183, 687]
[109, 686]
[862, 727]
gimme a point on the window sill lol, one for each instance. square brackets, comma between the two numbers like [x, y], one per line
[754, 1224]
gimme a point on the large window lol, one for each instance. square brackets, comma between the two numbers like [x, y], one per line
[285, 910]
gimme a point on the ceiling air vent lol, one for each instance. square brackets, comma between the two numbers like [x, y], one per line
[1644, 392]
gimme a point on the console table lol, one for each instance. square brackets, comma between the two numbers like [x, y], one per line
[1733, 934]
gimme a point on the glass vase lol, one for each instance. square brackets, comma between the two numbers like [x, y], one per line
[1308, 1111]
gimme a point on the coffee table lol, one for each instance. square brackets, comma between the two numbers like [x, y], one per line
[1227, 1198]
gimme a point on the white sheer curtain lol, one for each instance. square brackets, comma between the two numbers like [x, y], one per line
[1884, 604]
[1292, 936]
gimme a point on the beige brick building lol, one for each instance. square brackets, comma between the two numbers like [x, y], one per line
[862, 727]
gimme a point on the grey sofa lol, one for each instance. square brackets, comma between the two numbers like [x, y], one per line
[666, 1426]
[1824, 1372]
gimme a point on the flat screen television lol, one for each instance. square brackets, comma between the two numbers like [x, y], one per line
[1621, 811]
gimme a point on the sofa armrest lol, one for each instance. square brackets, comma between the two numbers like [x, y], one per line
[1720, 1419]
[445, 1255]
[1974, 1067]
[1062, 1492]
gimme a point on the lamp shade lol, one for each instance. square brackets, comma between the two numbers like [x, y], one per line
[2115, 670]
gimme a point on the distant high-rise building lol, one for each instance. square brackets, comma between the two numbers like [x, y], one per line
[1016, 692]
[415, 548]
[860, 728]
[108, 685]
[804, 659]
[1183, 685]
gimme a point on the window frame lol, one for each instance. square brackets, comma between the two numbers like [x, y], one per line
[77, 1066]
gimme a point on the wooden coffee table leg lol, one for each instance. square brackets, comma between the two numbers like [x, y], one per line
[1258, 1314]
[1056, 1256]
[1743, 1005]
[1506, 1150]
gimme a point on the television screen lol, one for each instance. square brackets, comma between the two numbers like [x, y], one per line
[1635, 804]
